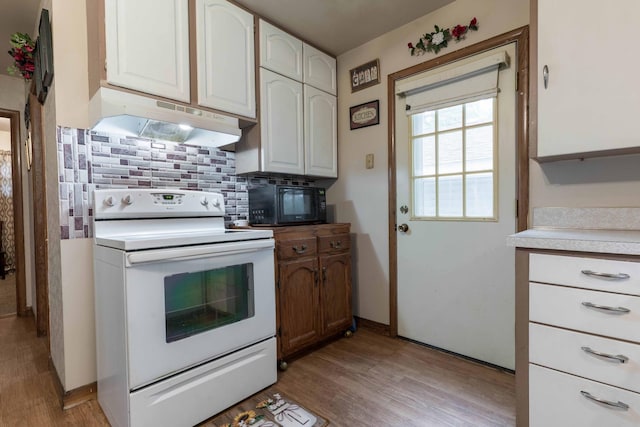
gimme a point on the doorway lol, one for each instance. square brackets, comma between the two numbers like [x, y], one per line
[456, 185]
[13, 298]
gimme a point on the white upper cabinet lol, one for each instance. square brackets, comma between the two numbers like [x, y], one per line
[319, 69]
[320, 133]
[280, 51]
[226, 61]
[147, 46]
[589, 105]
[281, 124]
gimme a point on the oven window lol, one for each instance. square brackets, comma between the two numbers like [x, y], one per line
[198, 302]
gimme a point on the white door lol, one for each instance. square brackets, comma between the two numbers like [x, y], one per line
[320, 133]
[281, 129]
[226, 64]
[319, 69]
[456, 191]
[280, 51]
[147, 43]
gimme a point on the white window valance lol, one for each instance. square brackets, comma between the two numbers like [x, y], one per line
[468, 82]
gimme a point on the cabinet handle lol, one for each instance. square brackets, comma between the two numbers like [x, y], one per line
[617, 358]
[324, 275]
[300, 250]
[335, 245]
[611, 310]
[315, 277]
[545, 76]
[618, 404]
[611, 276]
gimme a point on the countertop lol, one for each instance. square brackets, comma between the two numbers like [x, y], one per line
[599, 230]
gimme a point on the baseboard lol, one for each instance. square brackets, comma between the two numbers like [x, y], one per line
[71, 398]
[379, 328]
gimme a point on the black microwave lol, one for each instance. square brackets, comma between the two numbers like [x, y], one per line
[272, 204]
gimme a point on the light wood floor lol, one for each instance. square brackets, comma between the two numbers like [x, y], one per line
[367, 380]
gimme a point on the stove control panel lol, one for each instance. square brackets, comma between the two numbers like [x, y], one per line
[157, 202]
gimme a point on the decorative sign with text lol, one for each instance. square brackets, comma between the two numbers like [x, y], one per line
[363, 115]
[365, 75]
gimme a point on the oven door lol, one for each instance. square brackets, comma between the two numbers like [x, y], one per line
[191, 304]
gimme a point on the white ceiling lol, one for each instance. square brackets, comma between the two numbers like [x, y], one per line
[15, 16]
[337, 26]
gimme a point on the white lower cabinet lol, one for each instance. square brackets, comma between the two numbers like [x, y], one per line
[584, 341]
[557, 399]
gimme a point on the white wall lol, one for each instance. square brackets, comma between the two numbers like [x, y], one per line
[66, 105]
[361, 195]
[12, 97]
[5, 139]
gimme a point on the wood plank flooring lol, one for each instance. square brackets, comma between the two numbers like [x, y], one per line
[367, 380]
[8, 295]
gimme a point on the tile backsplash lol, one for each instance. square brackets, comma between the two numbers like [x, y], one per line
[88, 160]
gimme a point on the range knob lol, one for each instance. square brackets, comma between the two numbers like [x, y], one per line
[204, 201]
[216, 203]
[108, 201]
[127, 200]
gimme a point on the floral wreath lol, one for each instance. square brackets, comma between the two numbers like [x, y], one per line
[438, 39]
[22, 48]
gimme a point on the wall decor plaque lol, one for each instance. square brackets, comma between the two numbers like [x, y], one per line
[365, 75]
[363, 115]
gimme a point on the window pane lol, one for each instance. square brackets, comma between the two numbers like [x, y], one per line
[424, 197]
[479, 112]
[450, 118]
[424, 156]
[450, 196]
[480, 195]
[450, 152]
[479, 148]
[424, 123]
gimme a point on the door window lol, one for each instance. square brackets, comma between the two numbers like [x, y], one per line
[453, 162]
[205, 300]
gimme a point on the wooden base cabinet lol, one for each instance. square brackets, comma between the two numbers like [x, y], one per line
[313, 278]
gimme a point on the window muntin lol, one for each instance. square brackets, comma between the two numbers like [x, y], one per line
[454, 162]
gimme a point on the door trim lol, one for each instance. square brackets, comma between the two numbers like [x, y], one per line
[521, 37]
[40, 230]
[18, 217]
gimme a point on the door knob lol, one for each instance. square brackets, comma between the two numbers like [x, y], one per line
[403, 227]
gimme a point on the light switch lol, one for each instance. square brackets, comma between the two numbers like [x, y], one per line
[369, 161]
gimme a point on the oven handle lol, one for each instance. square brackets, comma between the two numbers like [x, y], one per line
[197, 252]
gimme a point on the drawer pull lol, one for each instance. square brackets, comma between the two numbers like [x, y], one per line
[609, 276]
[617, 358]
[618, 404]
[335, 245]
[300, 250]
[606, 308]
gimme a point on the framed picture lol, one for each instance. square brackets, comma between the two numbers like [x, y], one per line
[41, 91]
[365, 75]
[46, 49]
[363, 115]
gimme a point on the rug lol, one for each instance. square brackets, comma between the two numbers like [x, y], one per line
[267, 409]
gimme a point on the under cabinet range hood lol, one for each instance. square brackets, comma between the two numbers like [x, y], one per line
[125, 113]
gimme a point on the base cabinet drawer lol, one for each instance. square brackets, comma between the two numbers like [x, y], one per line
[589, 273]
[563, 400]
[601, 359]
[601, 313]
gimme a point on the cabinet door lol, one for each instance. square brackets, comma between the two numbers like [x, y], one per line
[591, 102]
[280, 51]
[298, 297]
[335, 298]
[147, 43]
[226, 64]
[281, 128]
[319, 69]
[320, 133]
